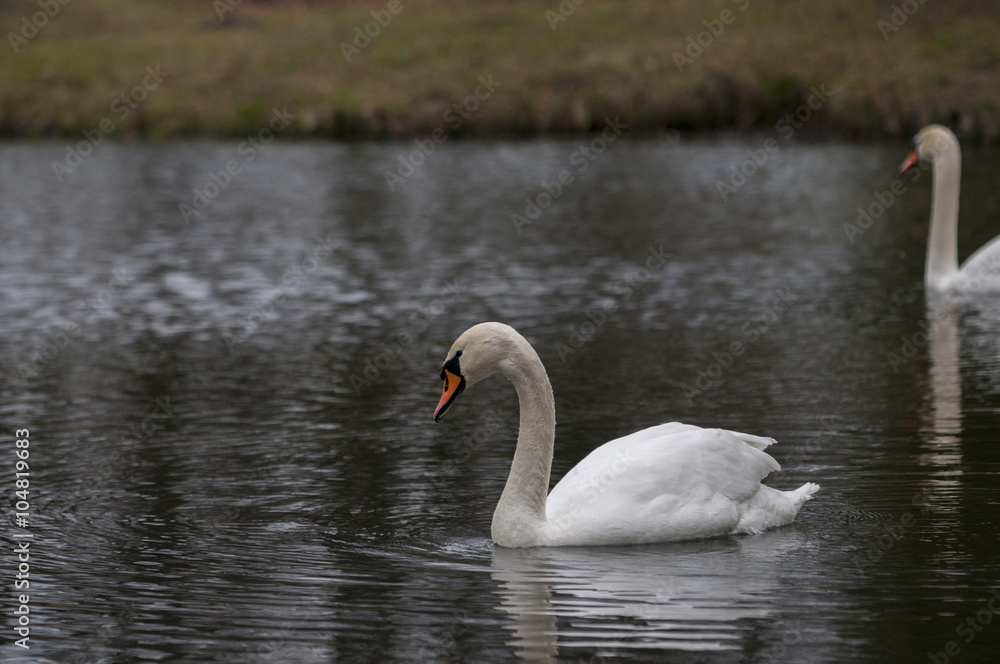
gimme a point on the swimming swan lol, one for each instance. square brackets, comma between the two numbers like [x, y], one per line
[936, 145]
[666, 483]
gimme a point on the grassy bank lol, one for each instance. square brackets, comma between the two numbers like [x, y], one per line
[88, 65]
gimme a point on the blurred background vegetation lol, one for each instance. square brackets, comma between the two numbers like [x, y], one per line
[230, 62]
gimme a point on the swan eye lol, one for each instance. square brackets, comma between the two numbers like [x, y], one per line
[452, 366]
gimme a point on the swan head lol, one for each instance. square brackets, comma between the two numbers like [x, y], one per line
[478, 353]
[931, 143]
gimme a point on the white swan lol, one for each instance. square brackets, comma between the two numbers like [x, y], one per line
[666, 483]
[939, 147]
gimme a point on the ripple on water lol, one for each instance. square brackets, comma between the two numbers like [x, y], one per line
[297, 504]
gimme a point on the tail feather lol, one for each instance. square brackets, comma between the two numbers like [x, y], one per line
[760, 442]
[807, 490]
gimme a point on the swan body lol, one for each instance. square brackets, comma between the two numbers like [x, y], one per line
[666, 483]
[938, 146]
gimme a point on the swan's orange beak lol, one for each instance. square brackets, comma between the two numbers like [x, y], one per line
[909, 162]
[453, 386]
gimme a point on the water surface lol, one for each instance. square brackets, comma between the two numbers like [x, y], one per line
[232, 451]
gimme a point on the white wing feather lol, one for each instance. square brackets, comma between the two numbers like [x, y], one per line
[669, 482]
[981, 270]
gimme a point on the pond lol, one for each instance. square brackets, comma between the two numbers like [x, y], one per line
[228, 367]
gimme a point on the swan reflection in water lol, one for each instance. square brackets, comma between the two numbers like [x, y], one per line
[954, 321]
[943, 425]
[689, 596]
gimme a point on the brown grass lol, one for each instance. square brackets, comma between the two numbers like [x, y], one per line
[606, 59]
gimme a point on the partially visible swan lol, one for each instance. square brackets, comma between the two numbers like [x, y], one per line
[666, 483]
[939, 147]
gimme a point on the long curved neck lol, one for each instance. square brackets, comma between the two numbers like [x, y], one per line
[521, 511]
[942, 245]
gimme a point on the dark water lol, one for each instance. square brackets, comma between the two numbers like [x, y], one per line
[232, 455]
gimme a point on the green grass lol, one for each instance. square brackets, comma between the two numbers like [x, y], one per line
[607, 58]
